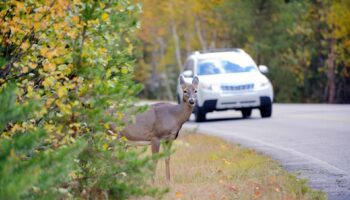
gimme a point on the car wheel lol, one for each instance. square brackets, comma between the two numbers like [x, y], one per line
[246, 112]
[266, 111]
[199, 114]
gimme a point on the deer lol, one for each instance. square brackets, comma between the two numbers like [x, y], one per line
[163, 121]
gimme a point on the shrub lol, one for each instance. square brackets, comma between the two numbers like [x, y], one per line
[76, 58]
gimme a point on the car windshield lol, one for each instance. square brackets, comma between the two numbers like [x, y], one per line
[216, 66]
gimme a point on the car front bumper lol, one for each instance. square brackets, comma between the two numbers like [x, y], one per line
[234, 100]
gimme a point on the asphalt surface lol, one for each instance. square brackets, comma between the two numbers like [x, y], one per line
[310, 140]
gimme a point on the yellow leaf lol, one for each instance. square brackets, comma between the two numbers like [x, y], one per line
[24, 70]
[48, 102]
[70, 86]
[25, 46]
[72, 34]
[36, 25]
[105, 17]
[75, 19]
[33, 65]
[43, 51]
[61, 91]
[29, 89]
[20, 5]
[102, 5]
[124, 70]
[65, 109]
[51, 54]
[103, 50]
[105, 146]
[48, 82]
[63, 3]
[37, 17]
[49, 67]
[57, 27]
[16, 128]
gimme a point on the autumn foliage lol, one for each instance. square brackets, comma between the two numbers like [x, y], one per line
[305, 44]
[74, 60]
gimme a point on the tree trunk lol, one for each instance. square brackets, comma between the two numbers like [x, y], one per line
[200, 36]
[164, 75]
[330, 91]
[188, 39]
[213, 40]
[153, 82]
[167, 86]
[177, 47]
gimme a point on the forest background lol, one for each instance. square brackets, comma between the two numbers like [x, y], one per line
[305, 44]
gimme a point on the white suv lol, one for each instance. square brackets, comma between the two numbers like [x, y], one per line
[228, 79]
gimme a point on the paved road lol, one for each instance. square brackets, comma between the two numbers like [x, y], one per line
[313, 140]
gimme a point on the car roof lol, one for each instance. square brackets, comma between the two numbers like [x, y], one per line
[236, 54]
[214, 53]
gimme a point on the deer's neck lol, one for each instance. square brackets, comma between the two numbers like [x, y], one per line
[183, 112]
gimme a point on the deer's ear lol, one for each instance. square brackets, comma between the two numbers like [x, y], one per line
[195, 81]
[182, 81]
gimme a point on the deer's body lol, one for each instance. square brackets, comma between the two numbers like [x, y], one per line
[163, 121]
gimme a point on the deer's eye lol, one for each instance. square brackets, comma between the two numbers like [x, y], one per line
[195, 91]
[185, 91]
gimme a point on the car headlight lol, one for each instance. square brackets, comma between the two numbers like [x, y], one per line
[213, 87]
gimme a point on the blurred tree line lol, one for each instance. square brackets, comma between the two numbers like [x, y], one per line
[306, 44]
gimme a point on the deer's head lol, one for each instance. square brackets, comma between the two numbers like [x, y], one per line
[189, 91]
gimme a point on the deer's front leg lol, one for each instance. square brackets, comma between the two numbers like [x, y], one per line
[155, 145]
[167, 160]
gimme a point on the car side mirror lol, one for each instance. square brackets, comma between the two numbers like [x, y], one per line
[188, 73]
[263, 69]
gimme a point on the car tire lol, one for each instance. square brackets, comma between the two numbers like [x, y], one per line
[266, 111]
[199, 114]
[246, 112]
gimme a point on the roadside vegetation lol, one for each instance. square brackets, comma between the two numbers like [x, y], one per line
[206, 167]
[66, 72]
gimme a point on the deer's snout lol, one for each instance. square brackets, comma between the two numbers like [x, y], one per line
[191, 101]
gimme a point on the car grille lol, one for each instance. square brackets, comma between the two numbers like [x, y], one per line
[237, 87]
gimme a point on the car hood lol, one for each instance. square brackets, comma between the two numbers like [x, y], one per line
[233, 79]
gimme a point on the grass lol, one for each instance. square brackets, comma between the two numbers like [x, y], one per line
[205, 167]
